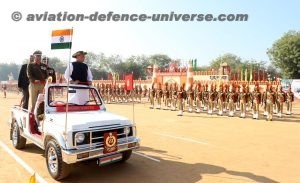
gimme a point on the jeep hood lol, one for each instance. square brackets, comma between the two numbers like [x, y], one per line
[88, 120]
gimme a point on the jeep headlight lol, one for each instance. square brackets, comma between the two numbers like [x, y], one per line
[79, 138]
[127, 130]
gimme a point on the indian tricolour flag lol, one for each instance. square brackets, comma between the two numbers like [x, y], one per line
[62, 39]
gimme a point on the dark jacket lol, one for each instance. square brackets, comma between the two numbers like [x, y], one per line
[23, 80]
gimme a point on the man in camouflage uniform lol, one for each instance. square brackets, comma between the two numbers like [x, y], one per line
[289, 100]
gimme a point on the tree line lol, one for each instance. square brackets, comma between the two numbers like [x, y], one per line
[284, 56]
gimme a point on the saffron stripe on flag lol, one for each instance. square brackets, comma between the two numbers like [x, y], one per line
[61, 45]
[64, 32]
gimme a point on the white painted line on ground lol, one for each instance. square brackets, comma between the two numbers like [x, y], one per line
[21, 162]
[145, 156]
[184, 139]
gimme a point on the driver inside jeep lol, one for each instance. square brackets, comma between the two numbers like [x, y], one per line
[78, 96]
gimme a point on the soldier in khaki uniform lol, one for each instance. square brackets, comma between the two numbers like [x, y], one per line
[199, 97]
[221, 99]
[174, 97]
[256, 96]
[270, 103]
[159, 95]
[243, 96]
[289, 100]
[280, 99]
[166, 96]
[191, 97]
[180, 100]
[151, 96]
[37, 75]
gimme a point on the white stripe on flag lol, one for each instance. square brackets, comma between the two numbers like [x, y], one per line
[61, 39]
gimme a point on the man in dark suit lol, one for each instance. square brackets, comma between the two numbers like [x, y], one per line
[23, 83]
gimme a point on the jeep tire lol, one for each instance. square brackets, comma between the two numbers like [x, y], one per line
[18, 141]
[56, 167]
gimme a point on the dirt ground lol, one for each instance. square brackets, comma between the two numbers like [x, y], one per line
[191, 148]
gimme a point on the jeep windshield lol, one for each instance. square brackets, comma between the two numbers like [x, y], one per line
[73, 96]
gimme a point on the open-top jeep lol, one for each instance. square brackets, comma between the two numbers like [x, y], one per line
[69, 132]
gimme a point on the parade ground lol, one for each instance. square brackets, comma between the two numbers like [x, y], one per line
[178, 149]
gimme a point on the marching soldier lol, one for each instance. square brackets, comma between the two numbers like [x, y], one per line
[191, 98]
[199, 96]
[289, 100]
[118, 94]
[205, 98]
[159, 94]
[281, 98]
[174, 97]
[166, 96]
[151, 96]
[222, 99]
[243, 96]
[256, 96]
[180, 100]
[232, 98]
[264, 100]
[109, 93]
[211, 99]
[139, 93]
[270, 103]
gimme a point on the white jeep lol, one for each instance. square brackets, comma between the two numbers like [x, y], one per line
[87, 131]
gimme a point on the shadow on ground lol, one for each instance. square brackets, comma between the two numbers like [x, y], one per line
[140, 169]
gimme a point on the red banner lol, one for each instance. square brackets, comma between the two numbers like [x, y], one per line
[129, 82]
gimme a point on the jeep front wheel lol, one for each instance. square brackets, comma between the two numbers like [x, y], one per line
[18, 141]
[56, 167]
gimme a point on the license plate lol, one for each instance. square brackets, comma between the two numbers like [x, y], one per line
[110, 142]
[110, 159]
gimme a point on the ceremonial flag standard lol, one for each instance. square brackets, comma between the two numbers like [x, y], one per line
[129, 82]
[61, 39]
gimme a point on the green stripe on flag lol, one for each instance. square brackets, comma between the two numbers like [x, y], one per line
[67, 45]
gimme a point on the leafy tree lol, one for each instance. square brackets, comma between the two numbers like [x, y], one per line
[161, 60]
[285, 54]
[232, 60]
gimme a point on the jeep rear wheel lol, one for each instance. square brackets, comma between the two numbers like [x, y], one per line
[126, 155]
[18, 141]
[56, 167]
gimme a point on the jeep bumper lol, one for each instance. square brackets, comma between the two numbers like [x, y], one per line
[73, 156]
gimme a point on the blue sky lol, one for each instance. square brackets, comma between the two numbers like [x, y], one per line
[268, 21]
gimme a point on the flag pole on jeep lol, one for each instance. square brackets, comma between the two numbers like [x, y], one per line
[62, 39]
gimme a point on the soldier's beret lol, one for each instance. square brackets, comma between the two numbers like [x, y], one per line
[79, 53]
